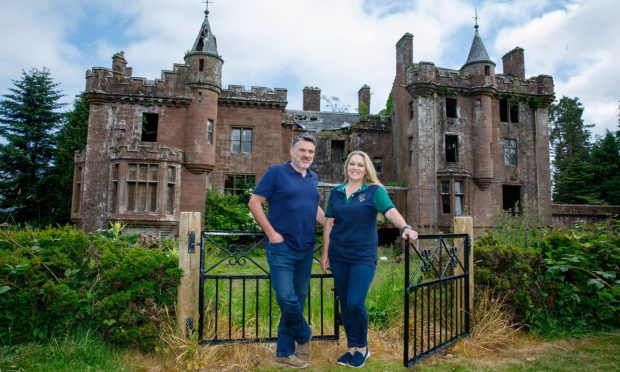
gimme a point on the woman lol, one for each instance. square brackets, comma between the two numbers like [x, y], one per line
[350, 246]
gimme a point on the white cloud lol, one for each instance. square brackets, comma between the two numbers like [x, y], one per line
[576, 46]
[335, 45]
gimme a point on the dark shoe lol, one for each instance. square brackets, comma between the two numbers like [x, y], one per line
[291, 361]
[303, 350]
[358, 360]
[344, 359]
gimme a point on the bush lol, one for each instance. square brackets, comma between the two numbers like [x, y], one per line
[54, 280]
[567, 284]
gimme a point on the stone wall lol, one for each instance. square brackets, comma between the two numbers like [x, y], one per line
[566, 215]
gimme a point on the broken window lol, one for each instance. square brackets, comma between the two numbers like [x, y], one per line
[238, 183]
[142, 187]
[452, 194]
[514, 112]
[378, 164]
[149, 127]
[171, 179]
[451, 107]
[209, 131]
[512, 199]
[445, 197]
[503, 110]
[337, 152]
[241, 140]
[452, 148]
[508, 107]
[510, 151]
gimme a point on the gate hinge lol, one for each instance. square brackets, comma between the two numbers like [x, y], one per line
[191, 242]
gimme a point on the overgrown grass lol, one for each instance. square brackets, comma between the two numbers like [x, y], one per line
[81, 351]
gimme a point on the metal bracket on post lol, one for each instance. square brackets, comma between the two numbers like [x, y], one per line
[191, 242]
[189, 326]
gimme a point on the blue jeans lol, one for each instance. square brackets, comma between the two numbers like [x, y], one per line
[290, 271]
[352, 281]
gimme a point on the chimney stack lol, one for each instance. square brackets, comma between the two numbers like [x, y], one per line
[312, 99]
[514, 63]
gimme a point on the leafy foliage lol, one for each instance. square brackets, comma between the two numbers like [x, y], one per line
[57, 280]
[568, 284]
[229, 212]
[28, 121]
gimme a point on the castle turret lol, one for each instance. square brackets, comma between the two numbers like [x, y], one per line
[204, 87]
[482, 73]
[478, 64]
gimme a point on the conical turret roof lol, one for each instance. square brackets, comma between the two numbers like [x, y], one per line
[477, 52]
[206, 41]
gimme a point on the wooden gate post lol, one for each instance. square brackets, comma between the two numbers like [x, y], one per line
[465, 225]
[189, 262]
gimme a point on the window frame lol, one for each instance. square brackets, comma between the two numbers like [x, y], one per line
[244, 146]
[138, 186]
[510, 152]
[209, 131]
[234, 190]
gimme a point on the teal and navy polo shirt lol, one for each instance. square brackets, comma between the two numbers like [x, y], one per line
[354, 237]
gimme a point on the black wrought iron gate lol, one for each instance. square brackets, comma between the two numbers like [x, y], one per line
[437, 310]
[236, 301]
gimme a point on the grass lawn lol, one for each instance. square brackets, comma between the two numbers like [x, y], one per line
[84, 352]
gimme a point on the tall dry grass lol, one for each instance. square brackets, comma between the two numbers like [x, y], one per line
[492, 329]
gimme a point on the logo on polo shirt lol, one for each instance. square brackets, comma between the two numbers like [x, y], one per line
[362, 197]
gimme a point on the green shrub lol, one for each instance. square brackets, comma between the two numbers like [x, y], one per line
[229, 212]
[54, 280]
[569, 283]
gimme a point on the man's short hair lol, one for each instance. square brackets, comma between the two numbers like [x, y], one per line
[303, 137]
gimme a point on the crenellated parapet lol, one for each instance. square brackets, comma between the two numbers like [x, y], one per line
[236, 95]
[118, 81]
[425, 79]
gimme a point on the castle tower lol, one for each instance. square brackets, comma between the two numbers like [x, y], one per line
[204, 88]
[482, 71]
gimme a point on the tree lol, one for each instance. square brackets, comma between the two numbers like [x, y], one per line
[29, 118]
[389, 106]
[569, 138]
[333, 104]
[70, 138]
[605, 163]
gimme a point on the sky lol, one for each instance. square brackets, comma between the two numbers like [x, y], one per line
[335, 45]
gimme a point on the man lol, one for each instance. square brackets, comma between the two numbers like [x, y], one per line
[291, 192]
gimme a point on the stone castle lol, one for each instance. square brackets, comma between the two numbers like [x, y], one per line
[457, 142]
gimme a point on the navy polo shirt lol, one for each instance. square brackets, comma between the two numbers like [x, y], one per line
[354, 237]
[293, 201]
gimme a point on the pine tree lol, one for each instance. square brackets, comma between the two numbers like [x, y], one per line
[569, 138]
[605, 163]
[29, 118]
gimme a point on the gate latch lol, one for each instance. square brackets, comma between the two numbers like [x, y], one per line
[191, 242]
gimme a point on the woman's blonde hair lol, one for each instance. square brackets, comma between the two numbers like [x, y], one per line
[371, 174]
